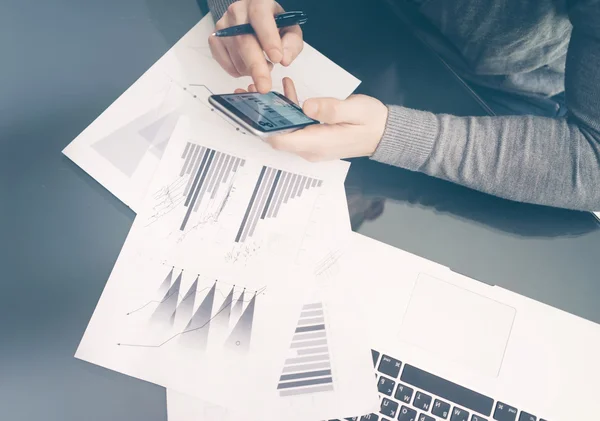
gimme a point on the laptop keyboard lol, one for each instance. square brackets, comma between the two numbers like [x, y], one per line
[411, 394]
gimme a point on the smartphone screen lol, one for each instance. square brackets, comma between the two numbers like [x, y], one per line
[265, 112]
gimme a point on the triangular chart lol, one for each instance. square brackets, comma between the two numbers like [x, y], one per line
[221, 319]
[168, 304]
[195, 334]
[125, 147]
[308, 368]
[240, 337]
[186, 306]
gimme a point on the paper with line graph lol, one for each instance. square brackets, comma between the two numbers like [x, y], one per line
[233, 202]
[203, 334]
[326, 374]
[122, 147]
[191, 328]
[205, 287]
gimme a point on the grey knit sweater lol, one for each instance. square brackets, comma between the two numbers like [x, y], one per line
[529, 47]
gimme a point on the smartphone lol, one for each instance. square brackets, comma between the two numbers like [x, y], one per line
[262, 114]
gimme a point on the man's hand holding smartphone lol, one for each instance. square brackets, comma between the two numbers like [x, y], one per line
[244, 55]
[350, 128]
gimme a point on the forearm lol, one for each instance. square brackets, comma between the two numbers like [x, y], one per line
[524, 158]
[219, 7]
[540, 160]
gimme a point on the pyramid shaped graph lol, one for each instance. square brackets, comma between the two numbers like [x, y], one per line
[308, 368]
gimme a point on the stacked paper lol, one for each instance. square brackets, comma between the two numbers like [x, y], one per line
[225, 290]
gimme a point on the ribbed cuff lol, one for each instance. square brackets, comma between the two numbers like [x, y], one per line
[408, 138]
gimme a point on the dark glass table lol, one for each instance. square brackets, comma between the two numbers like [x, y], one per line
[65, 61]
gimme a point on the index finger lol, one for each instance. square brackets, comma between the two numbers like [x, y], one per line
[289, 90]
[251, 53]
[261, 16]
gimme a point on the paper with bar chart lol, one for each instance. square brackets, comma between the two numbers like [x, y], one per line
[326, 374]
[191, 301]
[123, 146]
[233, 202]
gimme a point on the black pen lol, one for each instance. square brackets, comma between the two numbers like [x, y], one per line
[282, 20]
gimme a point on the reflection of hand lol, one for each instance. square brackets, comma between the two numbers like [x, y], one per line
[352, 127]
[243, 55]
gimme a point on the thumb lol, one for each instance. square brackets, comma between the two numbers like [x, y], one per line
[333, 111]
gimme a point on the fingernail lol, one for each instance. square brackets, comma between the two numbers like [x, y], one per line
[275, 55]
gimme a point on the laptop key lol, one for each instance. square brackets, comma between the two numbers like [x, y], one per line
[375, 356]
[459, 414]
[370, 417]
[477, 418]
[524, 416]
[388, 408]
[386, 386]
[505, 412]
[351, 419]
[422, 401]
[407, 414]
[440, 409]
[403, 393]
[445, 389]
[424, 417]
[389, 366]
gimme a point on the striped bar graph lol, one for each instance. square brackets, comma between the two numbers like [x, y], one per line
[207, 169]
[308, 369]
[273, 189]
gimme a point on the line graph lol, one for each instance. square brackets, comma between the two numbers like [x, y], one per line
[192, 87]
[234, 318]
[198, 292]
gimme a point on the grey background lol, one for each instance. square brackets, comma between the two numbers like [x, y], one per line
[64, 61]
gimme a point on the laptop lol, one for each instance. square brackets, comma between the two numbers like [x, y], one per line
[447, 347]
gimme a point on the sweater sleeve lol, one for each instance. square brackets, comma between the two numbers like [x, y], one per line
[554, 162]
[219, 7]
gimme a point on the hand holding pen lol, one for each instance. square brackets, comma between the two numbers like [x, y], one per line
[249, 30]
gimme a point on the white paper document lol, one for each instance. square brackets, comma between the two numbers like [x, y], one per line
[364, 272]
[207, 292]
[122, 147]
[192, 330]
[227, 200]
[327, 373]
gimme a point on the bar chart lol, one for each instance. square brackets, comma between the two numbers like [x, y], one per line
[308, 370]
[274, 188]
[208, 170]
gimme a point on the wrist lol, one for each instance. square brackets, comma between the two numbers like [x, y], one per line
[379, 127]
[408, 138]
